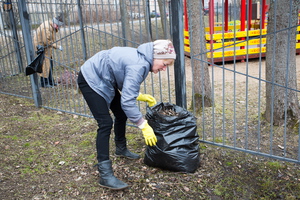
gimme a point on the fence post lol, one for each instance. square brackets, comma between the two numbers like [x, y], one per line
[24, 17]
[179, 66]
[15, 34]
[148, 21]
[81, 30]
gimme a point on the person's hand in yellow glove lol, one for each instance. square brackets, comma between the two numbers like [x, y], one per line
[148, 98]
[148, 133]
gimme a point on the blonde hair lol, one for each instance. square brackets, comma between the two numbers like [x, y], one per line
[168, 59]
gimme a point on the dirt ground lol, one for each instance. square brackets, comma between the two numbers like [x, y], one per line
[47, 154]
[253, 68]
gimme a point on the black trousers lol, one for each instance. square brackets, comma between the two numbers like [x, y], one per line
[49, 80]
[100, 111]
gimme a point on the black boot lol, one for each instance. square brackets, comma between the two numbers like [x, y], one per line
[107, 178]
[121, 150]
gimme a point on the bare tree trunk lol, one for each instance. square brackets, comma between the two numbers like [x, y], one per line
[125, 23]
[281, 100]
[163, 17]
[202, 85]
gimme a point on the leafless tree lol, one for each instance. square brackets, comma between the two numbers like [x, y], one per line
[125, 21]
[202, 86]
[163, 4]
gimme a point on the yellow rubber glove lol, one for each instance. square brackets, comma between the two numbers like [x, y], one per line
[148, 133]
[148, 98]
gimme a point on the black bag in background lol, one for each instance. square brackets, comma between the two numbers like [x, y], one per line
[177, 147]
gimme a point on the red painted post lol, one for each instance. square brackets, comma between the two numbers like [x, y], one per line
[263, 15]
[211, 23]
[243, 18]
[211, 16]
[226, 14]
[243, 14]
[186, 20]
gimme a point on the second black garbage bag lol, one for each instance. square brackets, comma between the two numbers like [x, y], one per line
[177, 147]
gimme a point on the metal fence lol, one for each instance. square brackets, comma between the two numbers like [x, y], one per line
[238, 88]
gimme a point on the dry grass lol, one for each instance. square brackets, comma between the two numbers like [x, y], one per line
[50, 155]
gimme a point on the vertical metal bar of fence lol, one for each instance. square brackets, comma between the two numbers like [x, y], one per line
[24, 18]
[81, 30]
[111, 26]
[90, 18]
[225, 25]
[89, 12]
[169, 36]
[155, 19]
[148, 20]
[179, 68]
[247, 140]
[230, 11]
[259, 88]
[131, 19]
[97, 13]
[15, 37]
[1, 23]
[118, 16]
[211, 22]
[104, 24]
[140, 21]
[287, 79]
[217, 11]
[234, 83]
[298, 157]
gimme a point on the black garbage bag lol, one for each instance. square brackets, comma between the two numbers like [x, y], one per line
[37, 64]
[177, 147]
